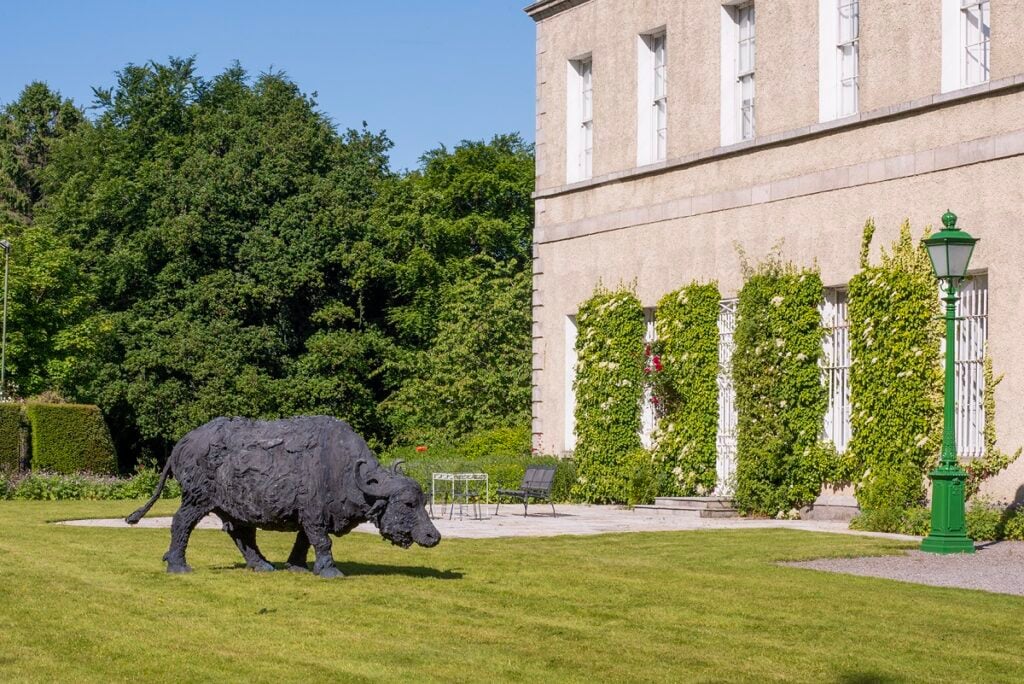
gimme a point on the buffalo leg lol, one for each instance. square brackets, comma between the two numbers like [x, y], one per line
[324, 563]
[297, 558]
[245, 539]
[185, 520]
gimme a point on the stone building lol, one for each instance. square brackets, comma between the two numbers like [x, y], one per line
[671, 132]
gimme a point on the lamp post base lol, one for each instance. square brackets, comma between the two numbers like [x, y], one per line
[949, 523]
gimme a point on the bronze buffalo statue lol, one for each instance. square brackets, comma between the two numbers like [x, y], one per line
[313, 475]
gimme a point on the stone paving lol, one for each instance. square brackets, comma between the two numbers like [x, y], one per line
[571, 520]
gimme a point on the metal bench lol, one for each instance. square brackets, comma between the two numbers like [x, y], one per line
[537, 483]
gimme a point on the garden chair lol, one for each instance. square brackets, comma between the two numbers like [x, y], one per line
[537, 483]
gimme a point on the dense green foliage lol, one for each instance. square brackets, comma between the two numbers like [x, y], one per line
[895, 375]
[70, 438]
[512, 609]
[780, 397]
[609, 387]
[10, 436]
[685, 382]
[985, 521]
[58, 487]
[209, 247]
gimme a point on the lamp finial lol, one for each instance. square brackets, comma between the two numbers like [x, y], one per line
[949, 220]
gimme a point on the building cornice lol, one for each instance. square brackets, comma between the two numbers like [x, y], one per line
[904, 109]
[543, 9]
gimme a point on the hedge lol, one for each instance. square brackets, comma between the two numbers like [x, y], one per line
[10, 437]
[684, 374]
[780, 397]
[70, 438]
[895, 374]
[609, 387]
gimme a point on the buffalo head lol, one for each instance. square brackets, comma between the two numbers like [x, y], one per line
[400, 507]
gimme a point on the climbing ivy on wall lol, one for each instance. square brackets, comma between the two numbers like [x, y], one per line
[895, 374]
[609, 387]
[780, 396]
[685, 382]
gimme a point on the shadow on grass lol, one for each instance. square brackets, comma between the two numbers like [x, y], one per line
[369, 569]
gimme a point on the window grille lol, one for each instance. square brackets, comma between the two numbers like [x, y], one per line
[836, 367]
[975, 21]
[849, 55]
[745, 69]
[649, 411]
[726, 439]
[971, 335]
[587, 117]
[658, 46]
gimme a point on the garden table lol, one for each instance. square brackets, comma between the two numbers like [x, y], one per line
[454, 494]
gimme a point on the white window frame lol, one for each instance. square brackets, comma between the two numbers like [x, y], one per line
[725, 441]
[961, 41]
[579, 119]
[652, 97]
[838, 48]
[836, 366]
[734, 74]
[971, 337]
[569, 443]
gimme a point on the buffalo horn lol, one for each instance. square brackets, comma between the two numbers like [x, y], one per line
[365, 485]
[394, 467]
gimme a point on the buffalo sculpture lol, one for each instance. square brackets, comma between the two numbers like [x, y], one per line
[312, 475]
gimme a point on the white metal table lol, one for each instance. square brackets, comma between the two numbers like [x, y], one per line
[454, 493]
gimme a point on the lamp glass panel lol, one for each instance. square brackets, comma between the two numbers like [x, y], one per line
[940, 262]
[959, 256]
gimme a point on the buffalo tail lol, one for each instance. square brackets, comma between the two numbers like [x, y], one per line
[137, 515]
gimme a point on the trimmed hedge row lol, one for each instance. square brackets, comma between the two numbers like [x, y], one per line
[10, 437]
[985, 522]
[70, 438]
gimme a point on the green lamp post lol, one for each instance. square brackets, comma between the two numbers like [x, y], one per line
[950, 251]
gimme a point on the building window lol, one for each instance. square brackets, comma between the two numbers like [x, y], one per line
[966, 43]
[727, 417]
[580, 120]
[974, 20]
[848, 49]
[652, 99]
[745, 69]
[649, 410]
[836, 367]
[971, 336]
[570, 380]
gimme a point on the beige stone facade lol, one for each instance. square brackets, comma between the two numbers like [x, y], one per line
[801, 183]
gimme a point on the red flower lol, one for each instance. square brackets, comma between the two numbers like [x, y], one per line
[647, 371]
[657, 362]
[421, 448]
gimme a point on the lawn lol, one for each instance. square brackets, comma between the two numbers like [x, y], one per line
[93, 604]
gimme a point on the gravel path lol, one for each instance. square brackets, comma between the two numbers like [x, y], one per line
[994, 567]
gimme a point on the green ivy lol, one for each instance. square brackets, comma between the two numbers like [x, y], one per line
[895, 375]
[609, 387]
[686, 387]
[994, 460]
[780, 397]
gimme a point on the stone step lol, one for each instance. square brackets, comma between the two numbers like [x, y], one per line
[690, 512]
[697, 503]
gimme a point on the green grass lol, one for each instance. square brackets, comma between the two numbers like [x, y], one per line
[93, 604]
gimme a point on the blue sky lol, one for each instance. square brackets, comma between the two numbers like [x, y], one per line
[427, 71]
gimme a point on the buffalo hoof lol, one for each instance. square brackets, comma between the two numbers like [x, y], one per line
[294, 567]
[262, 566]
[178, 569]
[330, 573]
